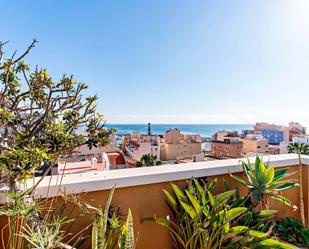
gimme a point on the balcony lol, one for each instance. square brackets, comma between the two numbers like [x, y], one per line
[141, 190]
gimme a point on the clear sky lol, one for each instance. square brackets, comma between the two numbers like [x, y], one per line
[174, 61]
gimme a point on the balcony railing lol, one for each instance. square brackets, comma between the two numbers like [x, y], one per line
[141, 190]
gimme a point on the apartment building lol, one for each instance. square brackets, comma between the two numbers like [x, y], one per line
[278, 133]
[178, 146]
[296, 129]
[137, 145]
[227, 148]
[274, 133]
[227, 144]
[223, 135]
[254, 144]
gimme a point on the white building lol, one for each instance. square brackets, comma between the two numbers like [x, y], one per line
[138, 145]
[301, 138]
[284, 147]
[304, 139]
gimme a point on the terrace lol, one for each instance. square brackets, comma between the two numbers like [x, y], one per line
[141, 190]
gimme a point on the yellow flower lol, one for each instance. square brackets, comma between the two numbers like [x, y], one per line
[100, 115]
[45, 74]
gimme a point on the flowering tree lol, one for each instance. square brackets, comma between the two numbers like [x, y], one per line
[39, 117]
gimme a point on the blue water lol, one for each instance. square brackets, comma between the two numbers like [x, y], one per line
[205, 130]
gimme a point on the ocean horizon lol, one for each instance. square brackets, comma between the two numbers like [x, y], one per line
[205, 130]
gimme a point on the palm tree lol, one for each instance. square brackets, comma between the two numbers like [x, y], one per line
[148, 160]
[299, 149]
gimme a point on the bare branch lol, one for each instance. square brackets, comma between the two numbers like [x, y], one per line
[12, 62]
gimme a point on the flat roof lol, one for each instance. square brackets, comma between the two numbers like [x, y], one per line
[226, 142]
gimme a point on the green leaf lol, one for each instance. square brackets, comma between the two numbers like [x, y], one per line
[268, 176]
[178, 192]
[190, 210]
[234, 213]
[260, 171]
[271, 243]
[212, 185]
[238, 229]
[267, 213]
[279, 184]
[305, 235]
[280, 173]
[211, 198]
[94, 235]
[257, 234]
[201, 190]
[241, 181]
[246, 167]
[222, 198]
[286, 186]
[281, 199]
[226, 227]
[199, 187]
[194, 202]
[250, 173]
[170, 198]
[129, 232]
[257, 167]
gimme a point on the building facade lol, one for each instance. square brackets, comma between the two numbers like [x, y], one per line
[254, 144]
[278, 133]
[296, 129]
[137, 145]
[178, 146]
[273, 133]
[227, 148]
[301, 139]
[274, 137]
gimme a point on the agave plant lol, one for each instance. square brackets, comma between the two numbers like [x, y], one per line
[265, 182]
[46, 235]
[202, 220]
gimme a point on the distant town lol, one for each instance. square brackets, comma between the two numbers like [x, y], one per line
[174, 147]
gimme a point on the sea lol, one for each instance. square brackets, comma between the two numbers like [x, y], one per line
[205, 130]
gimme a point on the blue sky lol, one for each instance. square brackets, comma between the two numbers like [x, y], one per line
[174, 61]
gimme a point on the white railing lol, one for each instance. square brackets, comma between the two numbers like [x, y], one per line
[102, 180]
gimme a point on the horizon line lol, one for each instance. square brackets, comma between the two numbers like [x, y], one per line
[179, 123]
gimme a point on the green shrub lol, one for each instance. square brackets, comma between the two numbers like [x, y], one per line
[264, 182]
[202, 220]
[291, 230]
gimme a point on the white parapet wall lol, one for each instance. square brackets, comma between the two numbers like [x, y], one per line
[102, 180]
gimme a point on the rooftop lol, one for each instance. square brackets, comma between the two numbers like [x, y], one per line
[227, 141]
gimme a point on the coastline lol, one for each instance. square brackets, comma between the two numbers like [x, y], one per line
[205, 130]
